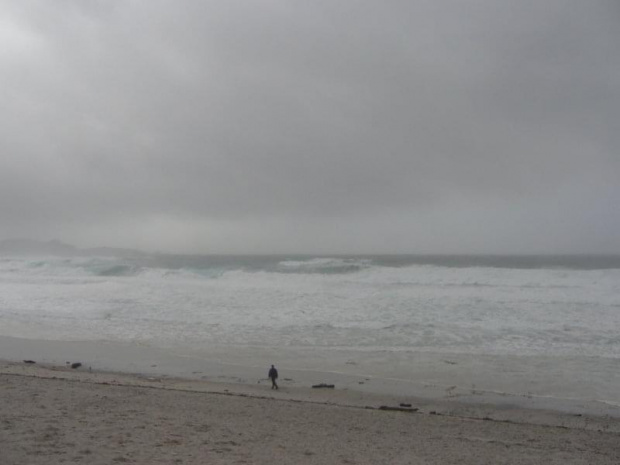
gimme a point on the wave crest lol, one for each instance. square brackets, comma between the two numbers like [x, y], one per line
[324, 265]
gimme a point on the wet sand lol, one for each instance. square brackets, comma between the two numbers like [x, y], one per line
[53, 414]
[429, 377]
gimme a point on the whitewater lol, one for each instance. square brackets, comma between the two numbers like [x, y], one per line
[534, 327]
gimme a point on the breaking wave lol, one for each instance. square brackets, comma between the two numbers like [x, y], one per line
[324, 265]
[367, 305]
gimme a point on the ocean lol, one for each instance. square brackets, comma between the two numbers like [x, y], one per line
[511, 326]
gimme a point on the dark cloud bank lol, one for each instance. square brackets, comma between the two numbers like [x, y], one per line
[278, 126]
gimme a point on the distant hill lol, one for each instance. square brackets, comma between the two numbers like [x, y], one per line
[28, 247]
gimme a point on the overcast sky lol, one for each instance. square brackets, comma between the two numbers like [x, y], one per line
[318, 126]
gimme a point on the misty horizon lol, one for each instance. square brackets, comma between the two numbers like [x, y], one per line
[31, 247]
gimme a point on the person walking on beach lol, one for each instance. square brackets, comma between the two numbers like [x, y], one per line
[273, 375]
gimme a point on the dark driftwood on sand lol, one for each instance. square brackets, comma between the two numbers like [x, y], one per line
[398, 409]
[323, 385]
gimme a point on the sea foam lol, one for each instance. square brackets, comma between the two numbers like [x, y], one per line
[358, 305]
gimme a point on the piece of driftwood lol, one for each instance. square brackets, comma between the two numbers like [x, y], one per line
[398, 409]
[323, 385]
[29, 361]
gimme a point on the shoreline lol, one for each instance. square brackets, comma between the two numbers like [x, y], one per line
[55, 414]
[289, 392]
[434, 383]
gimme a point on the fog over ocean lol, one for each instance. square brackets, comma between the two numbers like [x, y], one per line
[532, 325]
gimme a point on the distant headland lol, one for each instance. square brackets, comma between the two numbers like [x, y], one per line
[30, 247]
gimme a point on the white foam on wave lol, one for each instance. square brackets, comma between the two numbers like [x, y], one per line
[485, 310]
[324, 265]
[542, 322]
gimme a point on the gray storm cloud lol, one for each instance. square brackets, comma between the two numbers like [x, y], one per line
[279, 126]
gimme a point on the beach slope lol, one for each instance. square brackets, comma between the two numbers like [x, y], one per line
[58, 415]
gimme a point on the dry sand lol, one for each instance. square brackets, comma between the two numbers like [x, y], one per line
[52, 415]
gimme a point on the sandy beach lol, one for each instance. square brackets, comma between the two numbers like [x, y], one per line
[53, 414]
